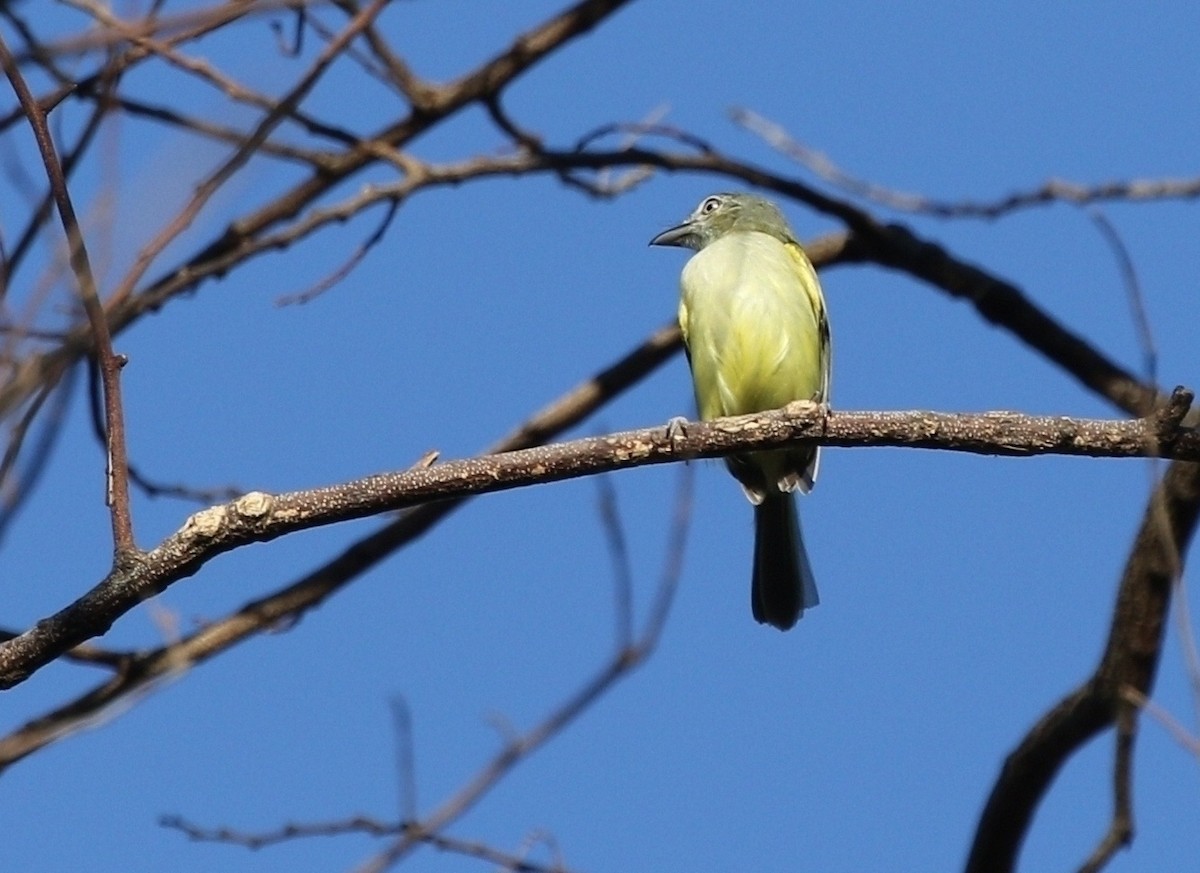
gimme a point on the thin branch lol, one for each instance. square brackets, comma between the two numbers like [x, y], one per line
[1120, 828]
[212, 75]
[369, 65]
[1053, 191]
[12, 489]
[184, 29]
[618, 551]
[17, 483]
[1133, 291]
[672, 571]
[347, 267]
[178, 491]
[633, 132]
[625, 660]
[820, 165]
[117, 491]
[1187, 641]
[1178, 732]
[174, 28]
[277, 113]
[521, 138]
[148, 486]
[406, 765]
[608, 183]
[294, 48]
[71, 160]
[359, 825]
[228, 836]
[221, 133]
[419, 93]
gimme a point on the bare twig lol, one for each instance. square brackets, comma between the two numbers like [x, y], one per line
[618, 551]
[148, 486]
[278, 111]
[633, 132]
[672, 571]
[117, 491]
[442, 102]
[17, 483]
[371, 827]
[419, 93]
[1187, 641]
[220, 132]
[1053, 191]
[296, 46]
[608, 182]
[344, 270]
[820, 165]
[73, 156]
[406, 765]
[173, 28]
[229, 836]
[1133, 291]
[1120, 828]
[205, 71]
[179, 491]
[522, 138]
[1180, 734]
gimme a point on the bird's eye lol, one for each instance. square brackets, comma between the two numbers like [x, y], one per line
[710, 205]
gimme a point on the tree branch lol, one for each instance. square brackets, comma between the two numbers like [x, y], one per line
[1051, 191]
[1130, 661]
[117, 490]
[260, 517]
[630, 652]
[287, 604]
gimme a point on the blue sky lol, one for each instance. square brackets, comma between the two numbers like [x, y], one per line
[961, 596]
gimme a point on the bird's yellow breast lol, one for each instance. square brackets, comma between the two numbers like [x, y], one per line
[753, 318]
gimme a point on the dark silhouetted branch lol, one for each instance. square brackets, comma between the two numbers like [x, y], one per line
[1130, 661]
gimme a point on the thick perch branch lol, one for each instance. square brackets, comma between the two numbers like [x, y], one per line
[259, 517]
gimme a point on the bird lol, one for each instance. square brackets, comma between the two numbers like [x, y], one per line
[756, 334]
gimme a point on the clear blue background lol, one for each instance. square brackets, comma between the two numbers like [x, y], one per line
[961, 596]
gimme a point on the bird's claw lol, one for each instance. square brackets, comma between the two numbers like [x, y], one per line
[676, 428]
[807, 407]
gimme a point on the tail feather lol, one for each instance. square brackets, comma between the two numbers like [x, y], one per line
[783, 585]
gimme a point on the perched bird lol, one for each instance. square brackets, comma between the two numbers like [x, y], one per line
[757, 338]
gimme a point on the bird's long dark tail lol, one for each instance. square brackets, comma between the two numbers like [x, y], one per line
[783, 585]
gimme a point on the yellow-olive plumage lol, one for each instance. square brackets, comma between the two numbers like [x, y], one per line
[757, 337]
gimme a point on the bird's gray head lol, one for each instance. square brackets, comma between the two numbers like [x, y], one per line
[719, 214]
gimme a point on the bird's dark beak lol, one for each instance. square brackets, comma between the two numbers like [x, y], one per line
[676, 236]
